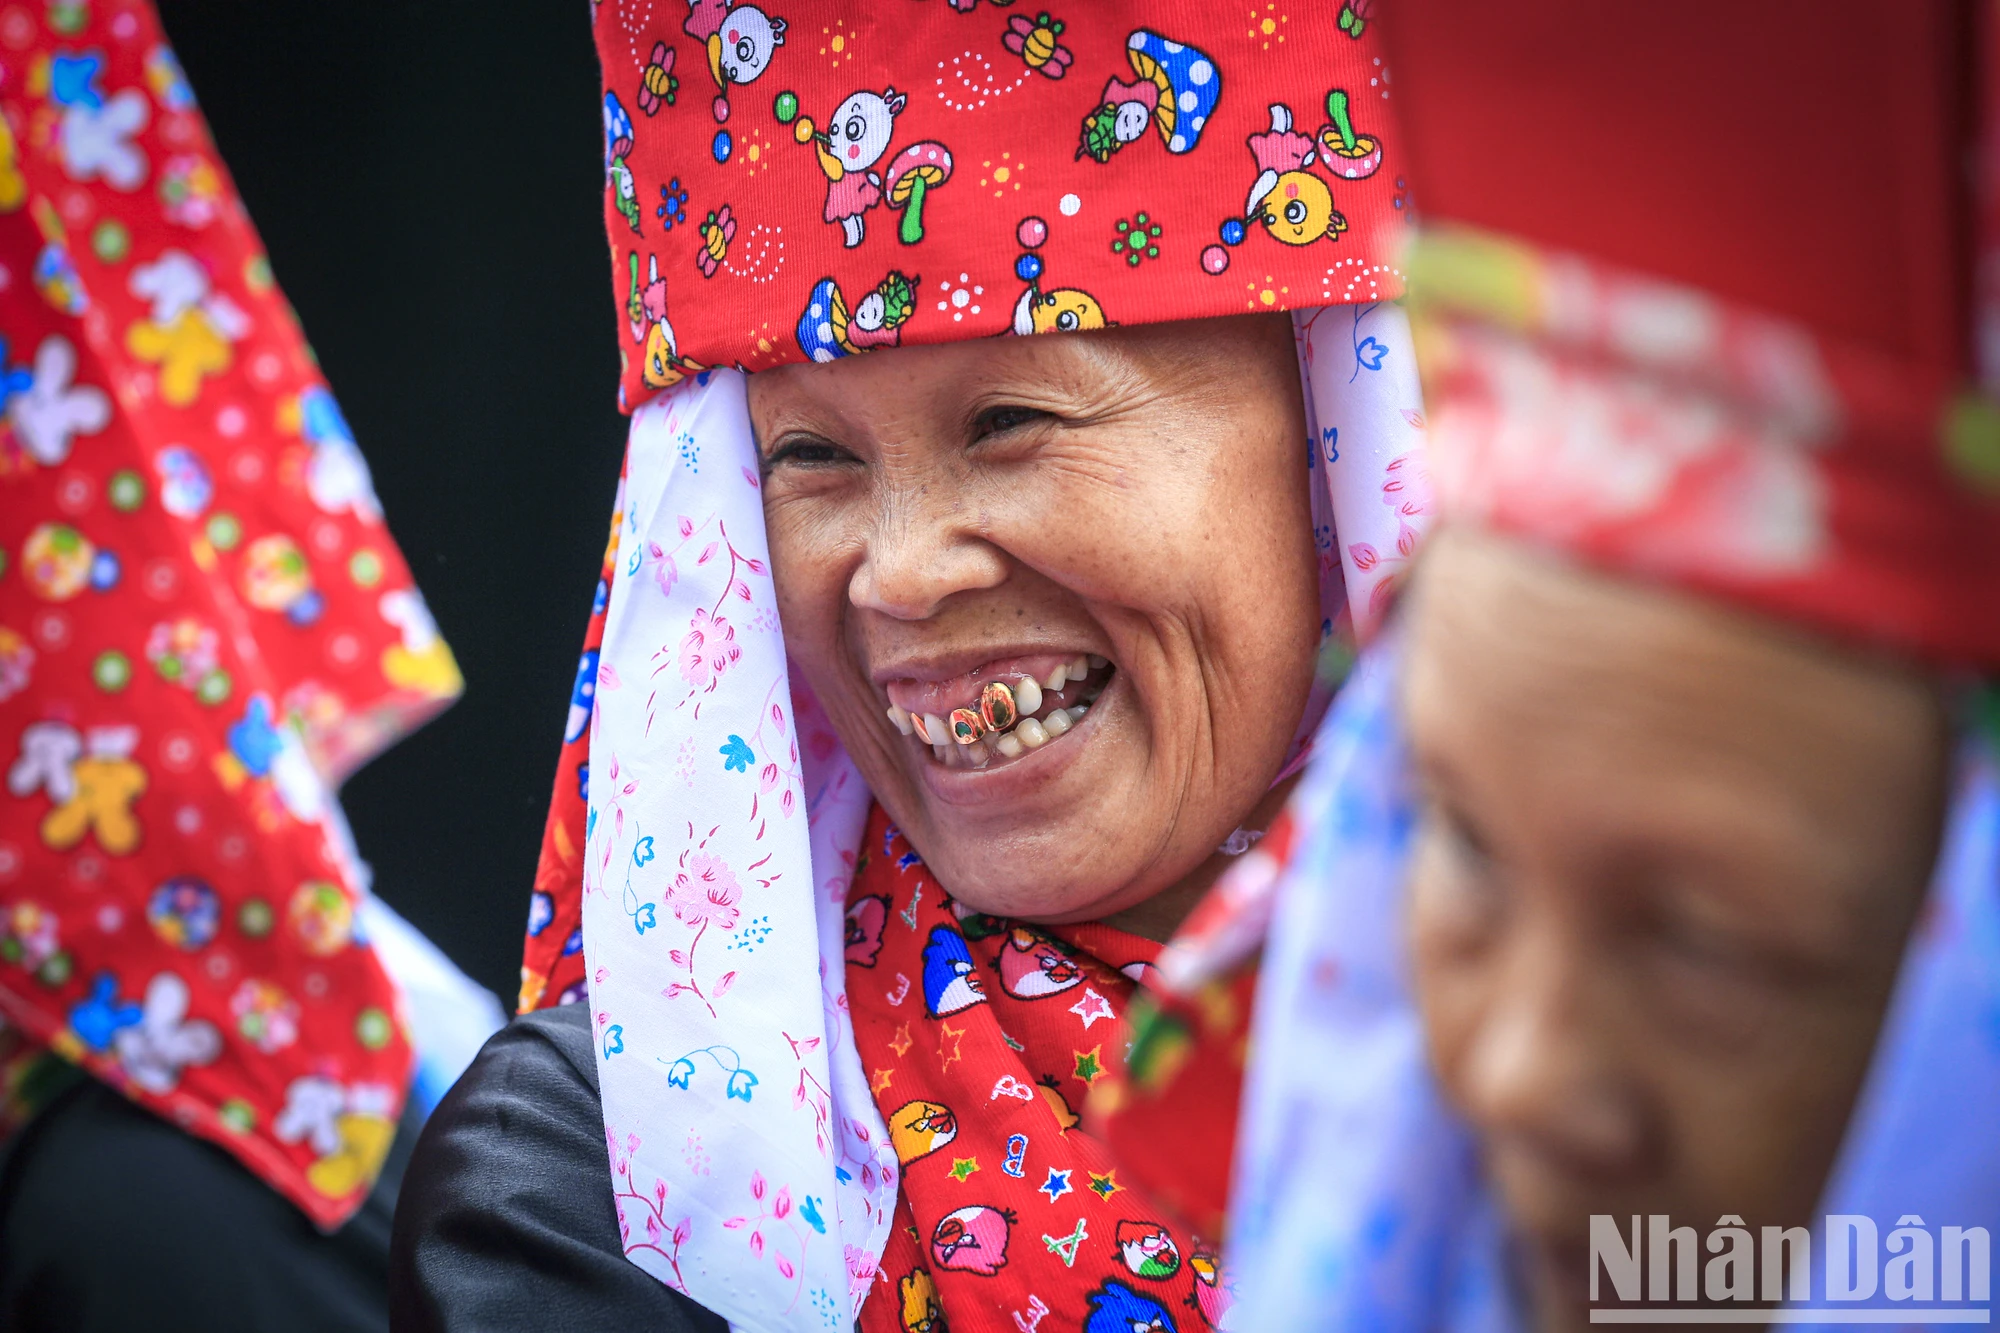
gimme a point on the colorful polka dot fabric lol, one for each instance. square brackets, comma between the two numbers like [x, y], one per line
[204, 626]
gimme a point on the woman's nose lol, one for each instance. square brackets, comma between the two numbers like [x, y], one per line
[915, 562]
[1535, 1073]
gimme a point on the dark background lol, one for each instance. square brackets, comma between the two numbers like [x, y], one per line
[427, 178]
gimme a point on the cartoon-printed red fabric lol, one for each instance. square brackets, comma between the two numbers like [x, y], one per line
[802, 181]
[203, 627]
[1093, 200]
[982, 1039]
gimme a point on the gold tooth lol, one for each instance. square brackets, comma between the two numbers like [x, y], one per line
[966, 726]
[997, 708]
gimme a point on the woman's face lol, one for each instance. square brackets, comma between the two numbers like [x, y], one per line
[1667, 866]
[1119, 517]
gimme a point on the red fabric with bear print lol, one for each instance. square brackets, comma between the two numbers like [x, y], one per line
[203, 627]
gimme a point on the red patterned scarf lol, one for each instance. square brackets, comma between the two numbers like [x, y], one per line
[982, 1038]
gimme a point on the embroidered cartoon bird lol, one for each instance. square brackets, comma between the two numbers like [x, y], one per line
[1031, 967]
[920, 1128]
[1116, 1308]
[921, 1312]
[973, 1238]
[1148, 1250]
[865, 919]
[950, 984]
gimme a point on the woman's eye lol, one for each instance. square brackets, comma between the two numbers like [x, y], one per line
[806, 453]
[996, 420]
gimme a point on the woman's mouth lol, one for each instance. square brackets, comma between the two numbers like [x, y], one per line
[1001, 712]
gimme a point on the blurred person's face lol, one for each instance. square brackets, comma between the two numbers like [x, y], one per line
[1669, 859]
[1113, 525]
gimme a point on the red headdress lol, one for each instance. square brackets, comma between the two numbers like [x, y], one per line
[1714, 344]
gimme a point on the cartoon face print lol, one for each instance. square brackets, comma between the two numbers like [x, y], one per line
[1032, 968]
[1066, 1118]
[865, 919]
[858, 133]
[1148, 1250]
[740, 41]
[973, 1240]
[1116, 1308]
[646, 307]
[1294, 206]
[827, 332]
[750, 37]
[918, 1129]
[854, 140]
[949, 981]
[1061, 310]
[1175, 89]
[1213, 1293]
[920, 1312]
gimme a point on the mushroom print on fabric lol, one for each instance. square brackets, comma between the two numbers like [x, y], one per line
[960, 162]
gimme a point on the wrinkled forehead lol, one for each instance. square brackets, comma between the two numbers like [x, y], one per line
[1185, 361]
[1597, 690]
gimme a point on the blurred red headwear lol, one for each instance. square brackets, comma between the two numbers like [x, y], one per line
[1700, 300]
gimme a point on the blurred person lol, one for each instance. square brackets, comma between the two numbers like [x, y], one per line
[1650, 867]
[939, 665]
[217, 1046]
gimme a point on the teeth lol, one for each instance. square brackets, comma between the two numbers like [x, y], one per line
[976, 754]
[901, 720]
[1080, 667]
[998, 709]
[1028, 697]
[1057, 722]
[941, 751]
[1058, 678]
[1099, 663]
[1009, 745]
[935, 731]
[966, 725]
[1033, 734]
[1076, 713]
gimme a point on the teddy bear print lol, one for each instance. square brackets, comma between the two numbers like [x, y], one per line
[51, 413]
[92, 783]
[191, 328]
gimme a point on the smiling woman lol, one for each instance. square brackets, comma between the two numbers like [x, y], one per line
[970, 537]
[931, 687]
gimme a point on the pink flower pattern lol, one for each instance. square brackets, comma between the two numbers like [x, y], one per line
[705, 892]
[709, 649]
